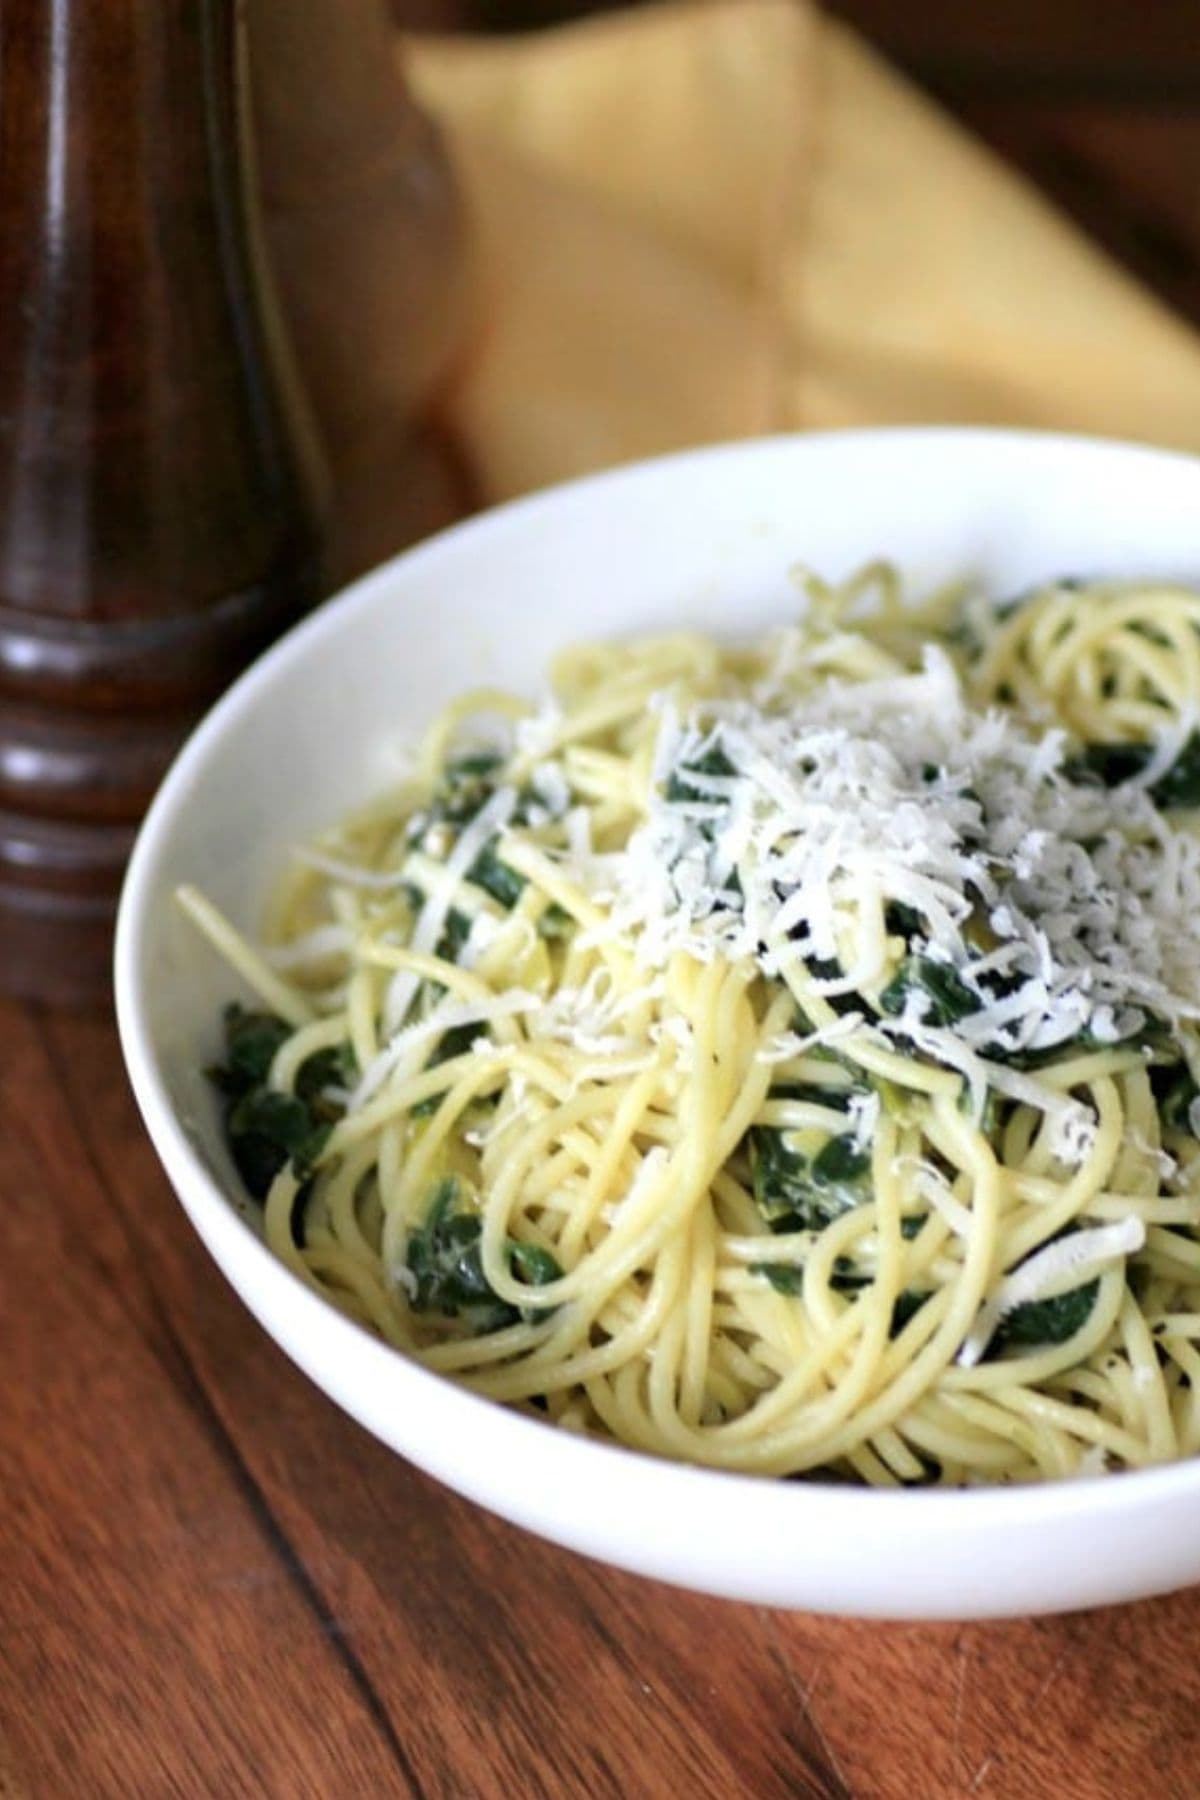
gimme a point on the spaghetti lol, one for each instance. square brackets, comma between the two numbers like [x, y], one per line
[781, 1057]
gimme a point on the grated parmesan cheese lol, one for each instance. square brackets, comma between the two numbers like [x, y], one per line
[474, 837]
[1063, 908]
[1066, 1263]
[863, 1110]
[403, 1048]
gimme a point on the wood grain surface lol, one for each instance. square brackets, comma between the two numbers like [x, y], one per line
[215, 1584]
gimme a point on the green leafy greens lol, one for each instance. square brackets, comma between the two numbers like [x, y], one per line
[944, 994]
[1111, 765]
[1039, 1323]
[446, 1270]
[796, 1193]
[265, 1128]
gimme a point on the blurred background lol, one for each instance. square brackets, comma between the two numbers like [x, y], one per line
[1097, 100]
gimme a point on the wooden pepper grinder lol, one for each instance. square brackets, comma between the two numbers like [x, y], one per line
[159, 498]
[157, 518]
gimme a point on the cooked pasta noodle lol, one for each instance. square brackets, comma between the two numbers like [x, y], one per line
[779, 1056]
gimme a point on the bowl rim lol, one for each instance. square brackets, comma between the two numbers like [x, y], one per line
[1012, 1508]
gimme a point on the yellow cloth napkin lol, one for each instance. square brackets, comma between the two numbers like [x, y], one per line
[722, 217]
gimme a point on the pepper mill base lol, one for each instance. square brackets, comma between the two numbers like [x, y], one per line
[57, 946]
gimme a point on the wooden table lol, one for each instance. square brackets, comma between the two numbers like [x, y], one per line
[214, 1584]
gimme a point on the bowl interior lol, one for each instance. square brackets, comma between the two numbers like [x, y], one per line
[709, 540]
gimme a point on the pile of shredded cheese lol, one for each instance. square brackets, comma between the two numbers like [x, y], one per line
[900, 792]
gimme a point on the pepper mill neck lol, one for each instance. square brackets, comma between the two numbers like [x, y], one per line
[158, 496]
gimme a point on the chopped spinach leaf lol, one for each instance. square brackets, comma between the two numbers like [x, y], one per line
[335, 1067]
[1037, 1323]
[532, 1264]
[555, 923]
[444, 1262]
[1174, 1092]
[251, 1041]
[1180, 785]
[1107, 765]
[906, 1306]
[680, 790]
[827, 968]
[265, 1130]
[467, 784]
[846, 1278]
[796, 1194]
[947, 997]
[474, 765]
[1044, 1322]
[785, 1278]
[1153, 1034]
[1110, 765]
[455, 1042]
[903, 921]
[821, 968]
[455, 933]
[841, 1163]
[496, 878]
[713, 762]
[835, 1098]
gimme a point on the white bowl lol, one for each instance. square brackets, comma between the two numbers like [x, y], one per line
[707, 538]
